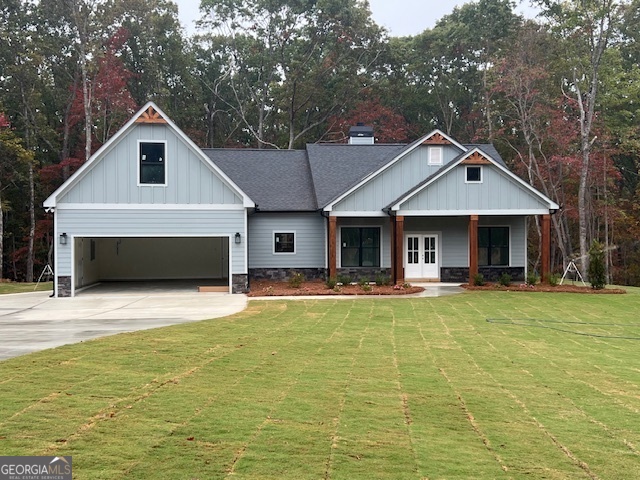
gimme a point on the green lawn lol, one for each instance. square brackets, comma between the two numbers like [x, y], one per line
[356, 389]
[16, 287]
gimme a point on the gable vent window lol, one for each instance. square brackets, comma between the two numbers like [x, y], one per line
[435, 155]
[152, 163]
[473, 174]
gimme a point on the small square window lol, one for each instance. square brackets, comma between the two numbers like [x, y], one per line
[284, 242]
[152, 163]
[473, 174]
[435, 155]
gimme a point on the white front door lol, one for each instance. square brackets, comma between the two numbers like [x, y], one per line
[421, 256]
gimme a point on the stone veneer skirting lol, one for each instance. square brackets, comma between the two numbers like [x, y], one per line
[239, 283]
[64, 286]
[284, 274]
[491, 274]
[366, 273]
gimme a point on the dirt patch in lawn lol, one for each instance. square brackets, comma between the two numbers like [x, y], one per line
[543, 288]
[278, 289]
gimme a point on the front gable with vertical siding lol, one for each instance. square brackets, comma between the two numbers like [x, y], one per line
[448, 192]
[112, 176]
[418, 161]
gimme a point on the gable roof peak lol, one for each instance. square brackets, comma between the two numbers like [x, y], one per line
[150, 113]
[438, 137]
[476, 157]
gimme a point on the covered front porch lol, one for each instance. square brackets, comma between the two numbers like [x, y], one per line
[417, 248]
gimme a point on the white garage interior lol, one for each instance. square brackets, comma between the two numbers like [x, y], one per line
[202, 260]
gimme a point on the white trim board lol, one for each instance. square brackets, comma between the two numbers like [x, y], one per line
[458, 213]
[149, 206]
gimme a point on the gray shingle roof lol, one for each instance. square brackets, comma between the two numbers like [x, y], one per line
[276, 180]
[308, 180]
[336, 168]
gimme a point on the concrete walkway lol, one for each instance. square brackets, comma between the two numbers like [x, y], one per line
[33, 321]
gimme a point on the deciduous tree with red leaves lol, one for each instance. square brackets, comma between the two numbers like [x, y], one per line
[111, 102]
[388, 125]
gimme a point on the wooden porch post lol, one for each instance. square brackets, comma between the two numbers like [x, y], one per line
[399, 244]
[546, 248]
[332, 247]
[392, 222]
[473, 247]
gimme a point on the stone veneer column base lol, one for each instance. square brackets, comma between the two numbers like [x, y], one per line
[239, 283]
[490, 274]
[64, 286]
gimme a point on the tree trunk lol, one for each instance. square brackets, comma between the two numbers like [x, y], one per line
[81, 19]
[86, 95]
[32, 225]
[582, 204]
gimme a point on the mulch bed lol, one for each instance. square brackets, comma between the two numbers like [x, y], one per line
[543, 288]
[278, 289]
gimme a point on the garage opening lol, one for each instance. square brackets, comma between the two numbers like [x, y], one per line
[187, 261]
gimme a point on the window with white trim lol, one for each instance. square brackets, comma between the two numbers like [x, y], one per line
[152, 158]
[473, 174]
[284, 242]
[435, 155]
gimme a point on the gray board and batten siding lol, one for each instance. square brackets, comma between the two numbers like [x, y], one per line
[496, 192]
[114, 178]
[390, 184]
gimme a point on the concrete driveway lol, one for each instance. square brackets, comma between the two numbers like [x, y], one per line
[34, 321]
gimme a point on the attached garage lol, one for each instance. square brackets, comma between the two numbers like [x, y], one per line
[118, 259]
[149, 206]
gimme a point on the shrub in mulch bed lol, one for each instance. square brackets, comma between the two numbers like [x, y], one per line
[279, 289]
[543, 287]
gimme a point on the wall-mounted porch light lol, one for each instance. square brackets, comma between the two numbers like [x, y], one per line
[237, 238]
[63, 239]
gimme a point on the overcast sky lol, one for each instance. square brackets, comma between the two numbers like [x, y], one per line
[400, 17]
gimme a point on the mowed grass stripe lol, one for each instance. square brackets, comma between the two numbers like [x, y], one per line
[549, 383]
[384, 388]
[446, 442]
[246, 384]
[520, 445]
[372, 436]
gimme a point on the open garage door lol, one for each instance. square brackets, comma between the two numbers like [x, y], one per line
[149, 259]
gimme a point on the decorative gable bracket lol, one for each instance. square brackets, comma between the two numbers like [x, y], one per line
[437, 139]
[476, 158]
[150, 115]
